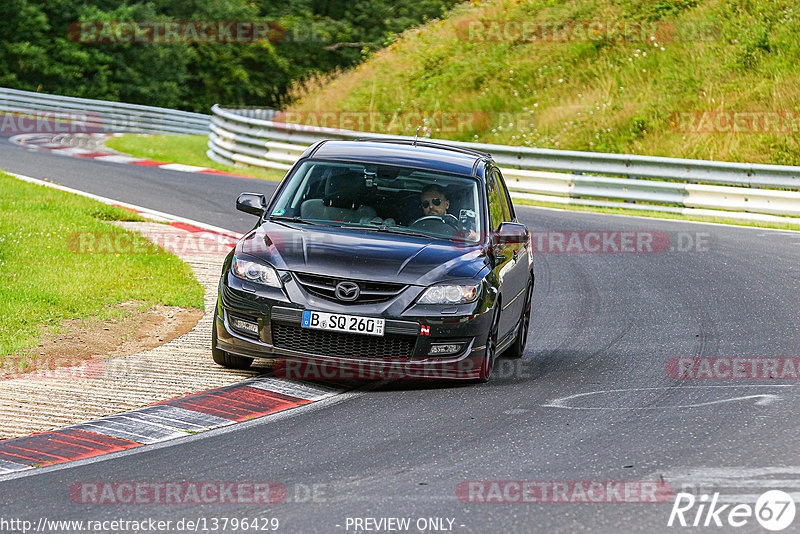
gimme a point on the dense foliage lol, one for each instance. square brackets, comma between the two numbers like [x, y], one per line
[38, 53]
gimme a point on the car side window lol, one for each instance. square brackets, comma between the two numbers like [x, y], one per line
[495, 204]
[508, 208]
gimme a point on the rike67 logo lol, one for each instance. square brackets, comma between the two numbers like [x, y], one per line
[774, 510]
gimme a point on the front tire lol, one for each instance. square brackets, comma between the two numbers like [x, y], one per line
[221, 357]
[517, 349]
[491, 350]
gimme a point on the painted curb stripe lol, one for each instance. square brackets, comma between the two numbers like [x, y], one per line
[24, 461]
[178, 418]
[166, 420]
[40, 142]
[132, 429]
[70, 151]
[92, 155]
[147, 163]
[227, 239]
[117, 158]
[303, 390]
[182, 167]
[20, 449]
[10, 467]
[223, 173]
[55, 447]
[97, 441]
[238, 404]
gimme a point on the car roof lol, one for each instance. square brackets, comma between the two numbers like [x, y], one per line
[403, 153]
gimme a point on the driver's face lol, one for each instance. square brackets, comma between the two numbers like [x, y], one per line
[430, 199]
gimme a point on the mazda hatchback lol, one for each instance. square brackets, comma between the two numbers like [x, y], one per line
[378, 259]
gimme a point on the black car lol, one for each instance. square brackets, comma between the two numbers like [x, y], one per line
[379, 259]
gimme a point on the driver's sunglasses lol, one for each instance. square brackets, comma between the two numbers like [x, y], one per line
[434, 201]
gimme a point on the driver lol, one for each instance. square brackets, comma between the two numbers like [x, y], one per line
[433, 201]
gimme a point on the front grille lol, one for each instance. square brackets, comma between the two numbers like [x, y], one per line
[339, 344]
[325, 287]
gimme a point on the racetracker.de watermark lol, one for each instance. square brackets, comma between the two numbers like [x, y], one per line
[735, 122]
[50, 367]
[331, 369]
[207, 492]
[618, 242]
[565, 31]
[563, 492]
[120, 243]
[179, 31]
[402, 121]
[736, 368]
[54, 122]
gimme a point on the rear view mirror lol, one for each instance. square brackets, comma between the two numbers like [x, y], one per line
[252, 203]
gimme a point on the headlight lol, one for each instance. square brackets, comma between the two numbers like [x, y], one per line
[255, 272]
[449, 294]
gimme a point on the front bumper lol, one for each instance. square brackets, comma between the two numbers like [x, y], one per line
[302, 353]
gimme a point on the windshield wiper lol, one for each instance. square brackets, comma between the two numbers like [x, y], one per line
[390, 230]
[285, 218]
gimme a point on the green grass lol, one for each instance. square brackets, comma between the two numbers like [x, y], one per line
[186, 149]
[45, 283]
[657, 214]
[605, 95]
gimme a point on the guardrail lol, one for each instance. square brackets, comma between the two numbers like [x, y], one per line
[103, 115]
[736, 190]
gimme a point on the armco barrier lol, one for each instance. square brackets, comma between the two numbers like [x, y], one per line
[736, 190]
[103, 115]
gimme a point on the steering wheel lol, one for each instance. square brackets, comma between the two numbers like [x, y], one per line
[430, 220]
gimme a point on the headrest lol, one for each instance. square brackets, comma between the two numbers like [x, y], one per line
[345, 190]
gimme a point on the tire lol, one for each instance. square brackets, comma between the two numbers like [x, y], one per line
[491, 351]
[517, 349]
[221, 357]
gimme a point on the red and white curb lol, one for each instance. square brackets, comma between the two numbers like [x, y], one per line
[49, 143]
[167, 420]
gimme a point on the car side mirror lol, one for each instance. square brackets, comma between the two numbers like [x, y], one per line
[252, 203]
[509, 233]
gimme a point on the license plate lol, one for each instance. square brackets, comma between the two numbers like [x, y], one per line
[336, 322]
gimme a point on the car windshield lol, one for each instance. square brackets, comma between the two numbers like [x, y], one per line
[384, 198]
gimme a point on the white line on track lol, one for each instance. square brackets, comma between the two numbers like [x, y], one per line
[763, 398]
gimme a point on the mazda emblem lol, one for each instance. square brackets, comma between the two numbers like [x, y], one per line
[347, 291]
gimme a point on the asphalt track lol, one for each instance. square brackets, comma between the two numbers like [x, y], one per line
[603, 324]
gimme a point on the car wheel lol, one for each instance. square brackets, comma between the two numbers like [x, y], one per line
[518, 347]
[221, 357]
[491, 349]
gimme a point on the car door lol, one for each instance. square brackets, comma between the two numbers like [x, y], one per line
[503, 252]
[518, 274]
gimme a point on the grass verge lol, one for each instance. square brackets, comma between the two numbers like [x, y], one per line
[45, 283]
[186, 149]
[663, 91]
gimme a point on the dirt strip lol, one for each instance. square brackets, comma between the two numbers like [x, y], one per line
[105, 386]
